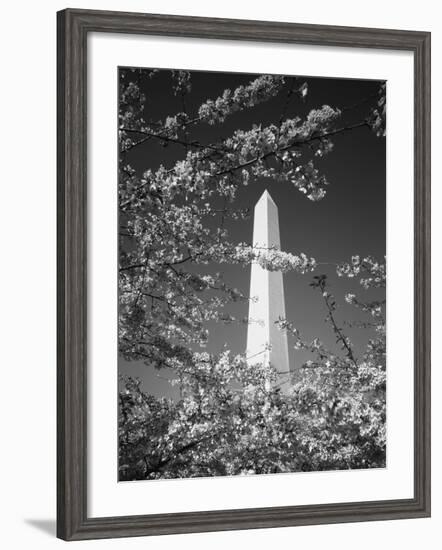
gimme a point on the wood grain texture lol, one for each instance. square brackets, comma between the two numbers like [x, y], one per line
[72, 520]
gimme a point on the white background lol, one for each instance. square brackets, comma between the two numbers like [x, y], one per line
[28, 268]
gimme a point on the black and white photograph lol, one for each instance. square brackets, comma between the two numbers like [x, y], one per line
[220, 236]
[252, 242]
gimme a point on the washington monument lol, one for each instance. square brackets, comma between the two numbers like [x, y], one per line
[265, 342]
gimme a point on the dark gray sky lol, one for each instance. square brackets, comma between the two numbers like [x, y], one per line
[349, 220]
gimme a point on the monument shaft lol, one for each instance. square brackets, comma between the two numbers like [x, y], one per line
[267, 287]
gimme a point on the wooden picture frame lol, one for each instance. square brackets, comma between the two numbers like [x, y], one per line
[74, 25]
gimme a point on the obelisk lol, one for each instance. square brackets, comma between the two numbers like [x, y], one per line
[266, 343]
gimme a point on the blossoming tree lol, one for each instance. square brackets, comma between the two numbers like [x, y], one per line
[225, 421]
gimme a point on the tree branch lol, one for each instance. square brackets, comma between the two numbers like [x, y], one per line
[321, 284]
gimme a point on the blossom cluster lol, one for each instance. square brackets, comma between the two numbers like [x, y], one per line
[378, 115]
[374, 272]
[274, 259]
[261, 89]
